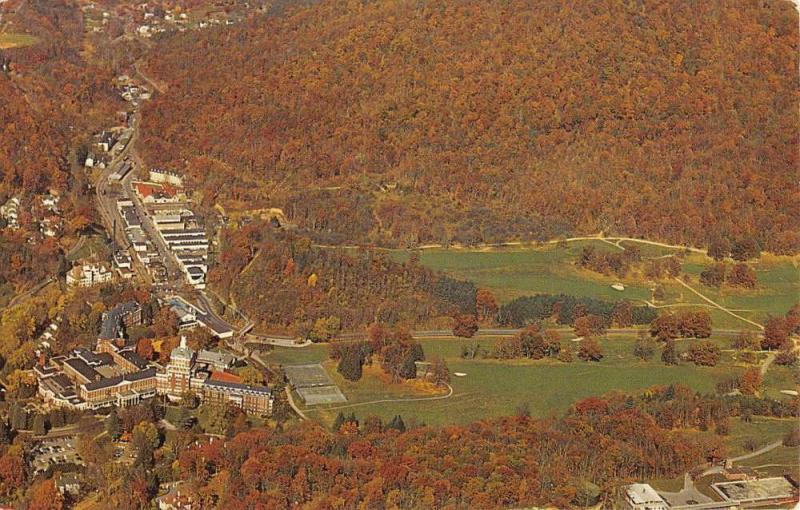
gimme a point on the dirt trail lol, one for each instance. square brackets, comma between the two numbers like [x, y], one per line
[717, 305]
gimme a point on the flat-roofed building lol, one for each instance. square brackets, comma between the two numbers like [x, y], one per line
[166, 176]
[641, 496]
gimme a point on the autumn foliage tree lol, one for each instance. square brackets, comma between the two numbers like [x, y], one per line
[590, 350]
[465, 325]
[750, 381]
[704, 352]
[743, 276]
[486, 305]
[776, 334]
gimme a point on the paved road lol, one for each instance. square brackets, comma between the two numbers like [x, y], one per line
[687, 495]
[210, 316]
[293, 405]
[30, 292]
[756, 453]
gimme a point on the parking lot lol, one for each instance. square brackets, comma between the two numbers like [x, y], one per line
[53, 452]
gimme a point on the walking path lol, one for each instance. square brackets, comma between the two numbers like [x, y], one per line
[717, 305]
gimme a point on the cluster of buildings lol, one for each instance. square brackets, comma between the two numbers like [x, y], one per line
[10, 212]
[107, 145]
[204, 374]
[154, 19]
[44, 214]
[742, 488]
[131, 91]
[140, 243]
[179, 231]
[113, 374]
[175, 225]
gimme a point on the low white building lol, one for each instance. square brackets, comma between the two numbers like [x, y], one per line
[166, 176]
[87, 275]
[641, 496]
[50, 202]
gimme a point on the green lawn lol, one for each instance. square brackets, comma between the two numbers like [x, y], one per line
[780, 378]
[778, 288]
[514, 272]
[8, 41]
[761, 429]
[494, 388]
[296, 355]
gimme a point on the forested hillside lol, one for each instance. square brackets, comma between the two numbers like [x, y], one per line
[413, 122]
[285, 283]
[513, 462]
[49, 97]
[51, 100]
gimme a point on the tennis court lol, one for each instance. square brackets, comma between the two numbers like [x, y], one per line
[313, 384]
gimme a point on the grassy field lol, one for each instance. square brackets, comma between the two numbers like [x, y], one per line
[781, 458]
[550, 269]
[8, 41]
[780, 378]
[93, 247]
[763, 430]
[493, 388]
[778, 288]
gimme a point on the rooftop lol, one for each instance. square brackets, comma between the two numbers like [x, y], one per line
[113, 381]
[220, 376]
[245, 388]
[641, 493]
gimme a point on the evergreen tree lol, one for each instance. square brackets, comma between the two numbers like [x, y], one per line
[18, 417]
[645, 348]
[112, 424]
[397, 423]
[408, 370]
[350, 364]
[5, 432]
[39, 425]
[629, 402]
[338, 422]
[668, 355]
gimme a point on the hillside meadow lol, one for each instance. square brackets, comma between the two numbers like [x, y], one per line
[550, 269]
